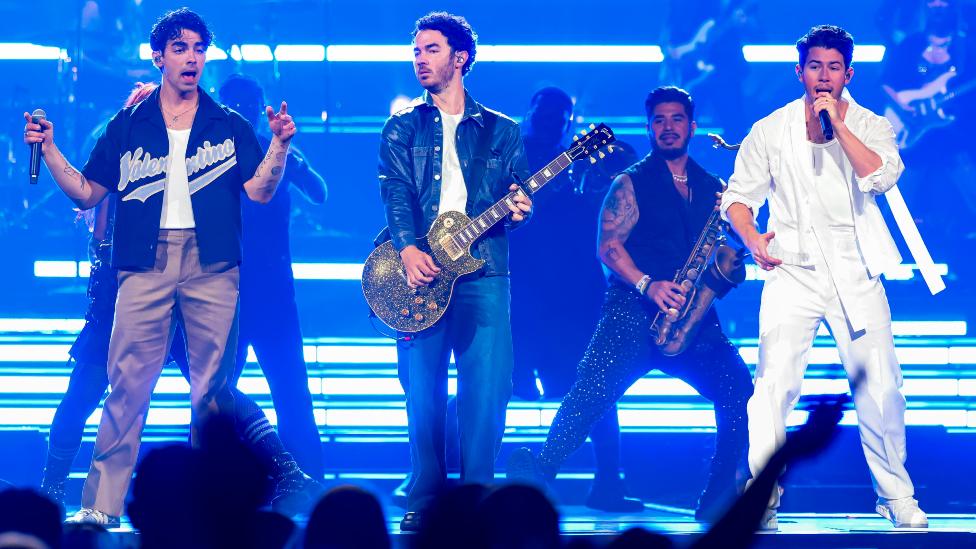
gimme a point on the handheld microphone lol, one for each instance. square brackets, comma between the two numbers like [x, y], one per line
[35, 148]
[825, 125]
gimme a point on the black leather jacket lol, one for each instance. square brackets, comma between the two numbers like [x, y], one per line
[410, 167]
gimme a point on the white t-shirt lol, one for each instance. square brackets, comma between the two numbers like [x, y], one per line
[177, 210]
[831, 183]
[454, 194]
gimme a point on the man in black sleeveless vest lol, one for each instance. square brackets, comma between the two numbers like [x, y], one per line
[649, 222]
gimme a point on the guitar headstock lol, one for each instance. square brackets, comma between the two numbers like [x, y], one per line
[590, 141]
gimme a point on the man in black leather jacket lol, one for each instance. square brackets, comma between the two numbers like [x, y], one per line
[429, 163]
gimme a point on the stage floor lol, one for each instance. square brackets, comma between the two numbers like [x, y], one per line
[795, 529]
[804, 530]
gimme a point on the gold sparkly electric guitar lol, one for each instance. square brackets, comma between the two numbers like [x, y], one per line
[449, 241]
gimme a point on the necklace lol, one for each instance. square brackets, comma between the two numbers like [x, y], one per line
[683, 180]
[175, 117]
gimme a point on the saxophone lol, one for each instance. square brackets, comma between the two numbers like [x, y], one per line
[712, 269]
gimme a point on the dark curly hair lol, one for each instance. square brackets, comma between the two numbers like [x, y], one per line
[172, 23]
[669, 94]
[460, 36]
[829, 37]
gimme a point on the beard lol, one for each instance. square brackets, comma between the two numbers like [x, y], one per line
[670, 153]
[440, 76]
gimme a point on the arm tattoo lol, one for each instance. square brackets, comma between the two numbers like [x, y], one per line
[619, 213]
[71, 172]
[276, 170]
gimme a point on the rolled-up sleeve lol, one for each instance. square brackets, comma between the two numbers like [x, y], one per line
[396, 183]
[880, 138]
[750, 182]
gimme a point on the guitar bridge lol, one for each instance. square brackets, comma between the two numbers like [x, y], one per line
[451, 248]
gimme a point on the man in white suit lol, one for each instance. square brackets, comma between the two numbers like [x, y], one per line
[826, 247]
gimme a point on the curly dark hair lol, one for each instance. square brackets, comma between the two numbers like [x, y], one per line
[460, 36]
[829, 37]
[669, 94]
[172, 23]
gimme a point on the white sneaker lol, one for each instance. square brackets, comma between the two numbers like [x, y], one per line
[94, 516]
[902, 512]
[769, 522]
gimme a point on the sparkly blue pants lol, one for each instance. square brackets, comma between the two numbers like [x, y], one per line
[621, 352]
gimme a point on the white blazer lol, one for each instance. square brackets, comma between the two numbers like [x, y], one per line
[773, 164]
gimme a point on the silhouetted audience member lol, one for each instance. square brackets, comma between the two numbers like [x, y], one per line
[164, 507]
[29, 520]
[205, 498]
[519, 517]
[347, 517]
[272, 530]
[451, 519]
[639, 538]
[85, 535]
[738, 526]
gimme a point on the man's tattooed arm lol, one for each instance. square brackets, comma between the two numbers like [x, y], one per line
[618, 216]
[262, 186]
[82, 191]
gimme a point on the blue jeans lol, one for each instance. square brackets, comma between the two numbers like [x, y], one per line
[478, 329]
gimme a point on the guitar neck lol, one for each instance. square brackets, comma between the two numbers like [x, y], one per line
[479, 225]
[959, 90]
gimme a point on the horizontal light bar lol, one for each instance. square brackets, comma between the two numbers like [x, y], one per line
[359, 53]
[515, 417]
[327, 271]
[905, 271]
[390, 386]
[213, 52]
[256, 52]
[309, 354]
[26, 51]
[570, 54]
[354, 271]
[56, 269]
[297, 52]
[909, 328]
[508, 53]
[41, 325]
[34, 353]
[386, 354]
[302, 271]
[786, 53]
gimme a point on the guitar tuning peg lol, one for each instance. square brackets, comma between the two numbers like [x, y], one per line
[582, 132]
[601, 155]
[592, 126]
[610, 149]
[592, 160]
[575, 138]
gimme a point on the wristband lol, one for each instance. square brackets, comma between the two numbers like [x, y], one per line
[642, 284]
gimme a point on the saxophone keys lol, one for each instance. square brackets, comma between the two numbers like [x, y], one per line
[687, 285]
[692, 274]
[672, 314]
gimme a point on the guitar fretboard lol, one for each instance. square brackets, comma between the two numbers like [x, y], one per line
[500, 209]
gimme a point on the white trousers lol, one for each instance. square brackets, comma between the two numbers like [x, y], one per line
[794, 302]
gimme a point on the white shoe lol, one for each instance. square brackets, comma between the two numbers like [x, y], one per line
[94, 516]
[769, 522]
[902, 512]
